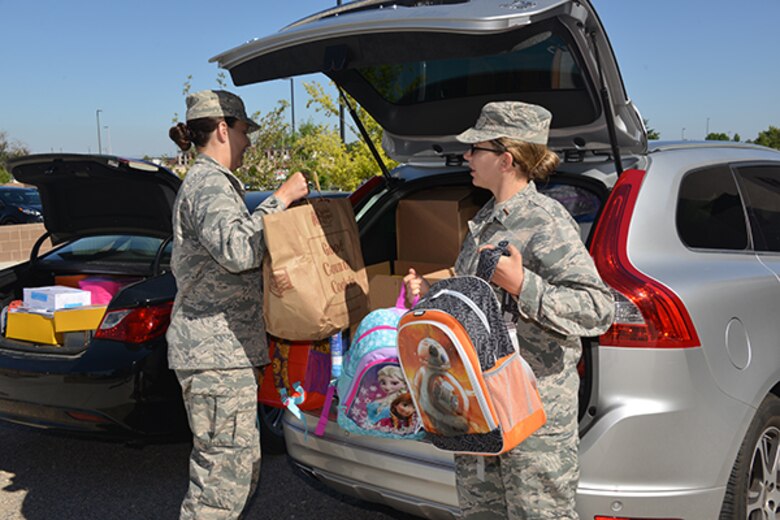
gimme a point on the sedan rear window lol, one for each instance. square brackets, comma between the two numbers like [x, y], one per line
[120, 249]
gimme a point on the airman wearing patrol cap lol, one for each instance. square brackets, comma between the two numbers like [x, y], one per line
[557, 297]
[216, 338]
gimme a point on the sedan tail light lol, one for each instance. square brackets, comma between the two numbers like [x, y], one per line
[647, 313]
[135, 325]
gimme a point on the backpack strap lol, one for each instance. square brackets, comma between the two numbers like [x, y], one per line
[486, 267]
[291, 402]
[336, 352]
[323, 422]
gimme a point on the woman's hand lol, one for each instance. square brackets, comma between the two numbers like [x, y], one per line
[509, 274]
[294, 188]
[415, 286]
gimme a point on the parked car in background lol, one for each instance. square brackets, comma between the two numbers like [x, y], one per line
[19, 205]
[109, 219]
[680, 399]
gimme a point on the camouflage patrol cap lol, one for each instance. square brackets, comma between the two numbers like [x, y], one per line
[217, 103]
[512, 119]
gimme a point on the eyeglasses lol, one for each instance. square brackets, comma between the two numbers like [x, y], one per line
[474, 148]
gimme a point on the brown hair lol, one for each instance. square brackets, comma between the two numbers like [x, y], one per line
[197, 131]
[536, 160]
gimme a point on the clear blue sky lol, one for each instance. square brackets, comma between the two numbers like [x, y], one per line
[683, 61]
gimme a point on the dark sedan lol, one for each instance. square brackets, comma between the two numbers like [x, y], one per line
[110, 222]
[19, 205]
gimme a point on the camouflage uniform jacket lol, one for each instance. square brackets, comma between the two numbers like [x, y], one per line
[217, 320]
[562, 297]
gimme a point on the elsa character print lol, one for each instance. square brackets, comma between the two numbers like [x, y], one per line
[392, 383]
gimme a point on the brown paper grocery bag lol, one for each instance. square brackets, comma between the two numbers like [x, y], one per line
[314, 279]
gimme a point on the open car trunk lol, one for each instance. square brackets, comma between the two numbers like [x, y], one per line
[110, 221]
[70, 331]
[421, 221]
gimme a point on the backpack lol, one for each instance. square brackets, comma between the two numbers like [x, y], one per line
[473, 391]
[299, 370]
[373, 396]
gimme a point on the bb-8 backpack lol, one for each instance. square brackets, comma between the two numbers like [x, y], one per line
[473, 391]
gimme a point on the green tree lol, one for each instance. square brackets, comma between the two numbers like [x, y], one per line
[652, 133]
[316, 148]
[717, 136]
[736, 138]
[769, 137]
[267, 159]
[9, 150]
[347, 172]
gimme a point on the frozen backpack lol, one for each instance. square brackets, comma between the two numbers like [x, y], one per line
[473, 391]
[373, 396]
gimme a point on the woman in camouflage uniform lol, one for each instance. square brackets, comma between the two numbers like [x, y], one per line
[559, 297]
[217, 334]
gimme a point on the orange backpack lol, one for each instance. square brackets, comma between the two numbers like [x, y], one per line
[472, 390]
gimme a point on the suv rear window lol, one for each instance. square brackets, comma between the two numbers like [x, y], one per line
[710, 214]
[761, 186]
[543, 62]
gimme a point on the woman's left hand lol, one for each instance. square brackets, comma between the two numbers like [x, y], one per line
[509, 274]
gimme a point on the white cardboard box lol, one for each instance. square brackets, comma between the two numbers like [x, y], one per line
[55, 297]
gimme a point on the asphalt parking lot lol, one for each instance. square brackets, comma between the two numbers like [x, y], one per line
[45, 476]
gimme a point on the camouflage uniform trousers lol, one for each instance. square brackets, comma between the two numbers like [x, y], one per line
[538, 478]
[225, 458]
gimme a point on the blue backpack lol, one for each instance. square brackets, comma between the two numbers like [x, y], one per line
[373, 396]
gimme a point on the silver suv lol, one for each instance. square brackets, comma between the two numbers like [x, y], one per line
[679, 400]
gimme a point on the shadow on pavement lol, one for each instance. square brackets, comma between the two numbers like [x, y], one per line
[67, 477]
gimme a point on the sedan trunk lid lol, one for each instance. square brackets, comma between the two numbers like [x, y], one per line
[97, 194]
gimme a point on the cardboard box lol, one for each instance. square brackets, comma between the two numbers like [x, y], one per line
[430, 226]
[402, 267]
[31, 326]
[384, 288]
[47, 327]
[441, 274]
[83, 318]
[55, 297]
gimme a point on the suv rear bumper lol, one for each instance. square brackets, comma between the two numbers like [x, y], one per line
[428, 485]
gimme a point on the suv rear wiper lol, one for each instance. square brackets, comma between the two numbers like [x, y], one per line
[364, 134]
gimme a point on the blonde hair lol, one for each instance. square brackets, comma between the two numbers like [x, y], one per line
[534, 159]
[391, 371]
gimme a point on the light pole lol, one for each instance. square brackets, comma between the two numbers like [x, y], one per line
[292, 104]
[682, 134]
[108, 135]
[97, 116]
[341, 105]
[708, 127]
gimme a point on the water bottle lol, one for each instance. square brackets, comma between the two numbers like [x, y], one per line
[336, 355]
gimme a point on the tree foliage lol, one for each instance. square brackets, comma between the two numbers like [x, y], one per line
[316, 148]
[652, 133]
[8, 150]
[717, 136]
[769, 137]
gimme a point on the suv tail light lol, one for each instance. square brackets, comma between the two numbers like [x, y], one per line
[647, 313]
[136, 325]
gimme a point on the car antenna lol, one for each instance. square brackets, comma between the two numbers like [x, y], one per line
[364, 133]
